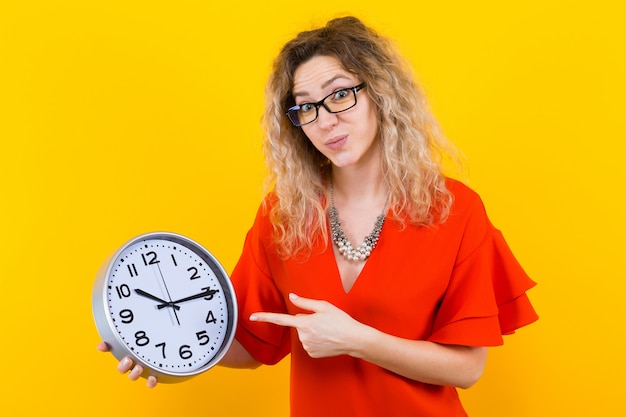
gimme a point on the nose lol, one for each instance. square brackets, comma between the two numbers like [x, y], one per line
[326, 119]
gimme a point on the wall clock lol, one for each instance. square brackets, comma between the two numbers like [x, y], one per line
[166, 302]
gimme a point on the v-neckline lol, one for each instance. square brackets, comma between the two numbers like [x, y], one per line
[335, 256]
[344, 280]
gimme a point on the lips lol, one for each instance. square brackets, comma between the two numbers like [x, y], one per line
[336, 142]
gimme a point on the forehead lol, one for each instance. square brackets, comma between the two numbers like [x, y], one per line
[319, 73]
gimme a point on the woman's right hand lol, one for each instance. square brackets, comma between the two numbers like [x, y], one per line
[126, 364]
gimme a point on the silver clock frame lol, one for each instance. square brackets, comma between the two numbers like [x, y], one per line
[106, 328]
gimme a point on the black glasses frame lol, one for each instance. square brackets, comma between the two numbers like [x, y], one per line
[292, 112]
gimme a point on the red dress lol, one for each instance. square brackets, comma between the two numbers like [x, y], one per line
[453, 283]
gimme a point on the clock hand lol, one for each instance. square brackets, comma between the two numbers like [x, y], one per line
[155, 298]
[168, 294]
[208, 293]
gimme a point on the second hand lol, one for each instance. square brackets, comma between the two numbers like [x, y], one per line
[168, 292]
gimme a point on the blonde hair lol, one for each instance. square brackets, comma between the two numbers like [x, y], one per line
[413, 146]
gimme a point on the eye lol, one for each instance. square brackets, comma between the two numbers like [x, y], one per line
[307, 107]
[341, 94]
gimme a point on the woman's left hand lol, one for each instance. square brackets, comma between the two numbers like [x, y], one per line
[326, 331]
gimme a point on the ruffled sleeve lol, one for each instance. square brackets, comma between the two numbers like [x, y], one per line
[486, 295]
[256, 292]
[510, 284]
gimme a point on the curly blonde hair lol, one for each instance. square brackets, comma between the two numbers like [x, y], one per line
[413, 146]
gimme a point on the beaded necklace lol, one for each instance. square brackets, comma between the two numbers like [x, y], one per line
[362, 252]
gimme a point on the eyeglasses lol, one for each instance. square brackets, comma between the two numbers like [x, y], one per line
[335, 102]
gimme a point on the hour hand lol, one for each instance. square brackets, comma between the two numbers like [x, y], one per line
[155, 298]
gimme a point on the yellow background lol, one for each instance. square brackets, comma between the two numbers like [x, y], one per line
[123, 117]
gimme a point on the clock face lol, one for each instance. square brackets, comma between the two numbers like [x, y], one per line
[170, 304]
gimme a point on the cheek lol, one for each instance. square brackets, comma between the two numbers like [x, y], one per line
[372, 116]
[313, 144]
[309, 134]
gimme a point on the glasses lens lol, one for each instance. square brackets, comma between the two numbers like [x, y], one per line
[340, 100]
[293, 116]
[303, 114]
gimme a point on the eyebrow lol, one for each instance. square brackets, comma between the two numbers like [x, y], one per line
[324, 84]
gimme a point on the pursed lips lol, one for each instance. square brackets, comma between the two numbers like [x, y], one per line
[336, 142]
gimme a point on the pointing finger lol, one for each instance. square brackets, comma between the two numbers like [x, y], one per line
[275, 318]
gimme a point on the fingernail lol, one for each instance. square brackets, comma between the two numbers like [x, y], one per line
[126, 362]
[292, 296]
[254, 317]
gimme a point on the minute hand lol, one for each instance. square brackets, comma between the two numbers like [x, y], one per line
[207, 293]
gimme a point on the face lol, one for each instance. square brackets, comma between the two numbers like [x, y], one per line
[347, 139]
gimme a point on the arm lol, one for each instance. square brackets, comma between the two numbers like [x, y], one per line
[238, 357]
[428, 362]
[328, 331]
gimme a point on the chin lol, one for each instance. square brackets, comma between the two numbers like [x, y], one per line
[342, 160]
[341, 163]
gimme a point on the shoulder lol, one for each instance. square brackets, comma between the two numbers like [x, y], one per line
[264, 211]
[468, 217]
[465, 198]
[459, 189]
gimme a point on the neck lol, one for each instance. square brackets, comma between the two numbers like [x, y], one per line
[360, 186]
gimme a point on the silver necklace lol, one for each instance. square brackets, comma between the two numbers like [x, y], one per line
[362, 252]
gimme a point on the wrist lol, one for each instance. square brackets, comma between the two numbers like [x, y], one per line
[363, 341]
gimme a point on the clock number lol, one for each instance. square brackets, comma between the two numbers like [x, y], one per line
[211, 293]
[210, 318]
[203, 337]
[194, 274]
[127, 316]
[132, 270]
[162, 346]
[153, 258]
[174, 260]
[185, 352]
[141, 339]
[122, 291]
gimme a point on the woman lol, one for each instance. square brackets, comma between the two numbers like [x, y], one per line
[392, 326]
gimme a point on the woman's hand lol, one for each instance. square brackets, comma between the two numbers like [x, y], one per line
[126, 364]
[327, 331]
